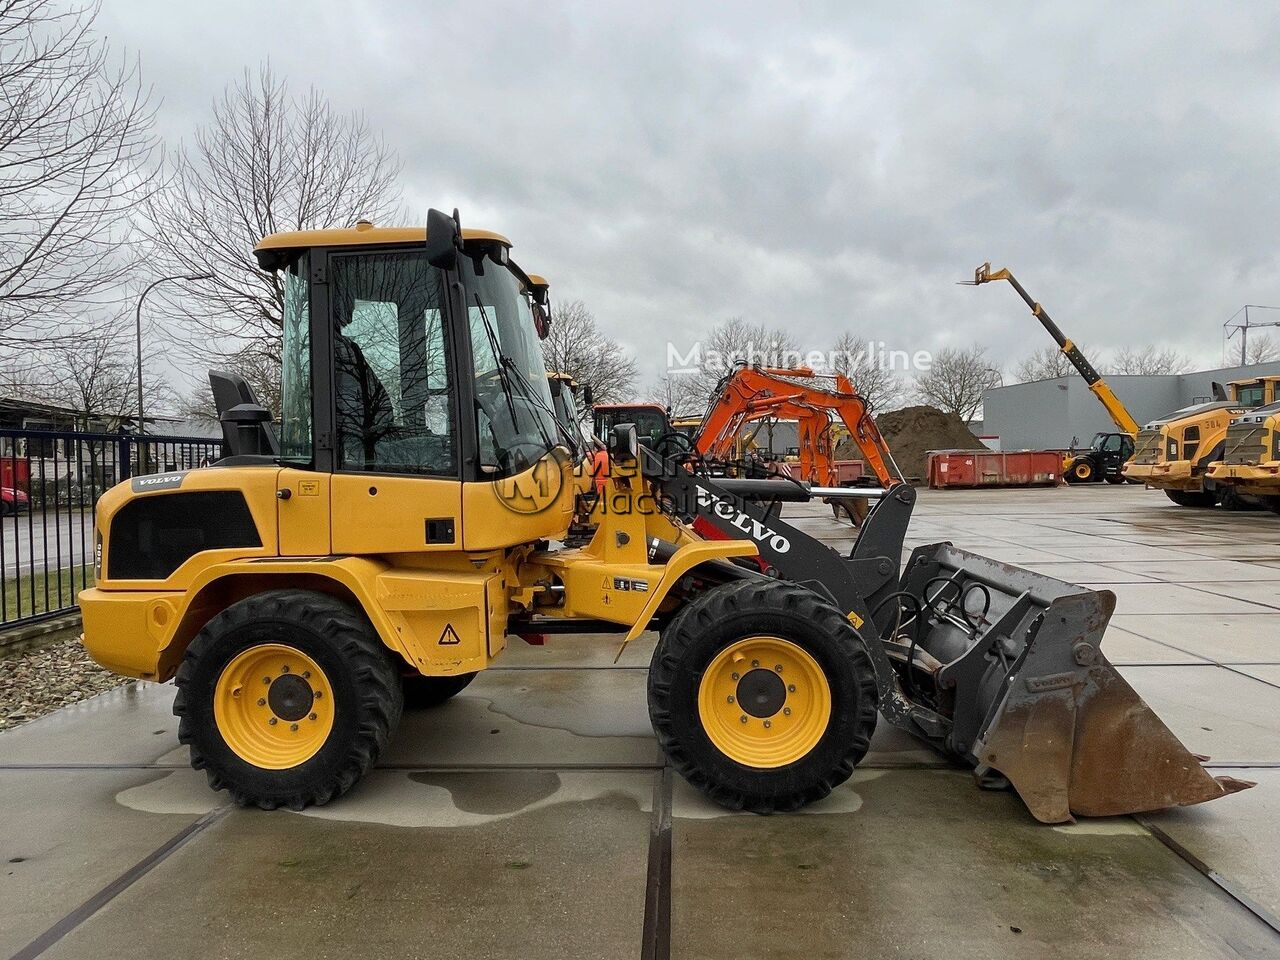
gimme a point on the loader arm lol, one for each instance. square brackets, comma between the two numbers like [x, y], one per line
[1118, 412]
[995, 666]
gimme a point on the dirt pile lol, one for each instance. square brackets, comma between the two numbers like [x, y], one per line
[912, 432]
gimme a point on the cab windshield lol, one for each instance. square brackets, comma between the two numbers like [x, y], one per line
[514, 414]
[566, 404]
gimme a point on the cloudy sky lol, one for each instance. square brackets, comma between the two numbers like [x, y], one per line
[820, 167]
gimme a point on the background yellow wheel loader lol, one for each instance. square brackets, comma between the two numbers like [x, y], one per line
[1176, 453]
[404, 525]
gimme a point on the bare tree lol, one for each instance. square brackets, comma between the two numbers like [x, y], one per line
[1262, 348]
[75, 152]
[1148, 361]
[712, 358]
[957, 379]
[1043, 364]
[96, 374]
[268, 161]
[578, 347]
[877, 383]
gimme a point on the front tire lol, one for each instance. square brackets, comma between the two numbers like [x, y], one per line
[287, 698]
[421, 692]
[1080, 471]
[1192, 498]
[762, 696]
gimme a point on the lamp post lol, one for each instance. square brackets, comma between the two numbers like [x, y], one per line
[138, 319]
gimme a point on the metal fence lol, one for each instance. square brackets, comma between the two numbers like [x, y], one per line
[50, 482]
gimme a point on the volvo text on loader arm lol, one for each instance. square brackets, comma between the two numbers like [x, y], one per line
[401, 530]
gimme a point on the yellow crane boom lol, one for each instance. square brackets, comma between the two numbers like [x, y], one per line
[1101, 389]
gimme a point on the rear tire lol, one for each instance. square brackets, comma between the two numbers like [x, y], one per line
[287, 698]
[421, 692]
[806, 726]
[1192, 498]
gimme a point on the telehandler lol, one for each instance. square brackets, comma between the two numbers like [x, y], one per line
[1106, 455]
[400, 531]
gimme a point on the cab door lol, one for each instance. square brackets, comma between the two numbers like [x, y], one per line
[396, 485]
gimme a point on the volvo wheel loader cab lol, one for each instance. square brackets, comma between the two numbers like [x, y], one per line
[651, 420]
[1175, 453]
[1250, 464]
[408, 527]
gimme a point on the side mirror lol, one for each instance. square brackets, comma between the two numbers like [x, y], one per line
[541, 322]
[624, 445]
[1219, 392]
[444, 239]
[587, 395]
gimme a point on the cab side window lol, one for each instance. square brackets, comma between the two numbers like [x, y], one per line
[391, 375]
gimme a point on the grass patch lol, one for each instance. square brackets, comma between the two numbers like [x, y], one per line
[29, 595]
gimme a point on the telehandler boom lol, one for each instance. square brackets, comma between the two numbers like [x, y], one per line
[406, 522]
[1108, 452]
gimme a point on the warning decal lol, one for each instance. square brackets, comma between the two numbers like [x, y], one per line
[449, 637]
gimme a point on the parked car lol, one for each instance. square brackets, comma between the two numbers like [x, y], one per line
[12, 500]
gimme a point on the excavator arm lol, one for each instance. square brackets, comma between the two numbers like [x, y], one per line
[1115, 409]
[750, 394]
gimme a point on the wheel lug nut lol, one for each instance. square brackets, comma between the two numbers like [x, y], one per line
[312, 717]
[262, 701]
[318, 693]
[755, 663]
[729, 699]
[266, 679]
[306, 674]
[293, 727]
[271, 722]
[777, 668]
[791, 688]
[733, 676]
[786, 711]
[744, 718]
[767, 724]
[285, 668]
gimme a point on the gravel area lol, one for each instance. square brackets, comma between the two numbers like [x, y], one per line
[40, 681]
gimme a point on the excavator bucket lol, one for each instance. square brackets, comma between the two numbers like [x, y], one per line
[1013, 659]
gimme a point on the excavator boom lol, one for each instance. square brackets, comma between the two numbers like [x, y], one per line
[750, 393]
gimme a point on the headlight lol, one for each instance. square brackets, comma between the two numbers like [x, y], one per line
[97, 556]
[1171, 449]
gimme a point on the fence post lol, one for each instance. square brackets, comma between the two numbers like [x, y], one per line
[124, 455]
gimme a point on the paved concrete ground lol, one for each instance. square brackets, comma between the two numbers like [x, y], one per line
[532, 817]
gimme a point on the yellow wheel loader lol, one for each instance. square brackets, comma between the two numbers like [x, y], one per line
[403, 527]
[1176, 453]
[1250, 462]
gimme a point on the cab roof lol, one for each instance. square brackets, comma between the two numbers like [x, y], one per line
[277, 249]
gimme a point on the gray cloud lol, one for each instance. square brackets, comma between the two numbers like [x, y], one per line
[818, 166]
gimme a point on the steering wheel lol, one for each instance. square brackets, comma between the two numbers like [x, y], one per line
[673, 444]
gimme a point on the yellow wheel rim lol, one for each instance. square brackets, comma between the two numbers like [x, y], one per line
[273, 706]
[764, 702]
[1084, 471]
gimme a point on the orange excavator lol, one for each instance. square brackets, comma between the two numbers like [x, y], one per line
[815, 401]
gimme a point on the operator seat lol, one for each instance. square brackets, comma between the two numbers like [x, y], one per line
[365, 414]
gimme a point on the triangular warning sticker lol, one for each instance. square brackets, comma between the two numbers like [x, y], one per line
[449, 636]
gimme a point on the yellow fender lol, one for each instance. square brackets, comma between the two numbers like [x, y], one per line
[682, 561]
